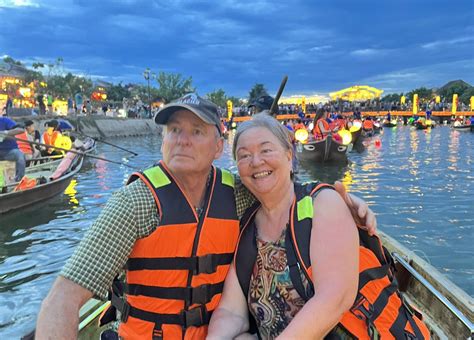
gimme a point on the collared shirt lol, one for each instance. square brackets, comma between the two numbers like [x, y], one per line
[130, 214]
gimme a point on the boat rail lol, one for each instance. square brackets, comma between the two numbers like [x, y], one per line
[435, 292]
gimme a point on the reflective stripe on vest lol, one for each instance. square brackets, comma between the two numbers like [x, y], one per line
[175, 276]
[379, 309]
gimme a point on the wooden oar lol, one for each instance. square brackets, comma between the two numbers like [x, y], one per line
[42, 158]
[71, 150]
[116, 146]
[278, 95]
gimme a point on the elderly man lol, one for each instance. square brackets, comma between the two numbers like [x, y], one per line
[173, 229]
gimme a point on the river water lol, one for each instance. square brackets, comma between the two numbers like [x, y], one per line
[420, 184]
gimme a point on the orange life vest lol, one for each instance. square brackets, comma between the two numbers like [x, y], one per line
[24, 146]
[25, 183]
[175, 276]
[318, 134]
[339, 123]
[379, 310]
[368, 124]
[299, 126]
[50, 139]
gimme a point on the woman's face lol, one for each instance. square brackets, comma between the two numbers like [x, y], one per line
[264, 164]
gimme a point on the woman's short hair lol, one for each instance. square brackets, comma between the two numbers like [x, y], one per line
[268, 122]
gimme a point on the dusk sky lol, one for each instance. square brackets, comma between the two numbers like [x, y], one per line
[322, 46]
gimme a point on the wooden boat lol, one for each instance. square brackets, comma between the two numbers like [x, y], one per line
[358, 141]
[421, 125]
[12, 200]
[389, 124]
[447, 310]
[322, 151]
[464, 128]
[89, 146]
[368, 132]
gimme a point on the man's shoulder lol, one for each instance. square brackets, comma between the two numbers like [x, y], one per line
[134, 191]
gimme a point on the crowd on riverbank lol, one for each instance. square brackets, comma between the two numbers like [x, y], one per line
[341, 106]
[138, 109]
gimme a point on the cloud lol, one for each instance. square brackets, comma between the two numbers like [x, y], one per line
[256, 6]
[433, 75]
[446, 43]
[320, 48]
[368, 52]
[234, 44]
[18, 3]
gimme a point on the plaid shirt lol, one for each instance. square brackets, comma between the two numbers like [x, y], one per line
[130, 214]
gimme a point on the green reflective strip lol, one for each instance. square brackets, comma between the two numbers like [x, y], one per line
[157, 177]
[305, 208]
[227, 178]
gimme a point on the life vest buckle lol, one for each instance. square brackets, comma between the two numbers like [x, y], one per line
[360, 310]
[204, 265]
[195, 317]
[199, 295]
[125, 311]
[121, 305]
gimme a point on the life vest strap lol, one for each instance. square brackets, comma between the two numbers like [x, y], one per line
[372, 274]
[193, 295]
[195, 317]
[198, 264]
[294, 266]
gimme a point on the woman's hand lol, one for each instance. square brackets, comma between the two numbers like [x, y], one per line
[230, 319]
[363, 215]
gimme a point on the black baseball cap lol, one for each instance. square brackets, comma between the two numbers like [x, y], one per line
[52, 123]
[262, 102]
[203, 108]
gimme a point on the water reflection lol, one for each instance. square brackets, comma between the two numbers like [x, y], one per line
[309, 171]
[71, 192]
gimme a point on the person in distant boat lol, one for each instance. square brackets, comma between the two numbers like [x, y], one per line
[262, 104]
[31, 134]
[321, 126]
[368, 124]
[9, 148]
[50, 136]
[173, 228]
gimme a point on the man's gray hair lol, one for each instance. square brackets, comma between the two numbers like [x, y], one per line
[266, 121]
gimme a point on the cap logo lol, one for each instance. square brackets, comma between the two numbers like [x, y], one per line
[189, 99]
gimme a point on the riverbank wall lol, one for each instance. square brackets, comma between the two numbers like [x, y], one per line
[100, 126]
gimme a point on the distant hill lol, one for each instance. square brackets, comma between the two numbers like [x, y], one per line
[460, 84]
[464, 90]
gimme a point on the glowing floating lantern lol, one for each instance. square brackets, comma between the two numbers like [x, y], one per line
[301, 135]
[346, 136]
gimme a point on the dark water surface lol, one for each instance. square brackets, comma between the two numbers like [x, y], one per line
[419, 183]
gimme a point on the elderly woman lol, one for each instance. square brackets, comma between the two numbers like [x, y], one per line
[264, 158]
[296, 268]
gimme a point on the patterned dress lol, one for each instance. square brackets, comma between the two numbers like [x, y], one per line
[273, 301]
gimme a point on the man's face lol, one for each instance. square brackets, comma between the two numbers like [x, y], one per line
[190, 145]
[30, 128]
